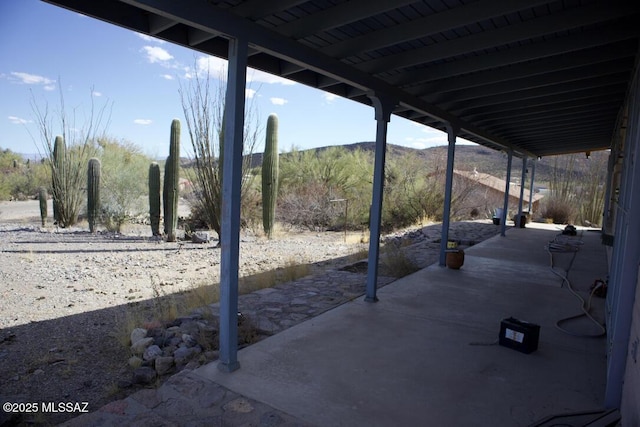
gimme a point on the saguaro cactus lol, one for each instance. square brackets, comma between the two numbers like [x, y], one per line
[154, 198]
[171, 183]
[93, 193]
[42, 198]
[270, 175]
[59, 153]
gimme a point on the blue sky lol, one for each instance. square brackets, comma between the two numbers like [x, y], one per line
[43, 47]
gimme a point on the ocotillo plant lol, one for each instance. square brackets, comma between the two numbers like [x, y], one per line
[93, 193]
[154, 198]
[42, 198]
[270, 175]
[59, 153]
[171, 183]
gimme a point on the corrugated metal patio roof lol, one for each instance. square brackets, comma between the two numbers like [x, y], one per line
[542, 77]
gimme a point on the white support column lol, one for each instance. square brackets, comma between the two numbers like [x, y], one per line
[452, 133]
[505, 207]
[521, 199]
[533, 173]
[383, 107]
[231, 182]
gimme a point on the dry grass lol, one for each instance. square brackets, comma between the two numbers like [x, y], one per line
[199, 296]
[292, 271]
[359, 254]
[165, 307]
[131, 319]
[395, 262]
[255, 282]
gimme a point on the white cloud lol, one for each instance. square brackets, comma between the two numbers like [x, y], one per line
[49, 87]
[156, 54]
[211, 64]
[18, 121]
[249, 93]
[143, 121]
[329, 97]
[32, 79]
[218, 67]
[262, 77]
[150, 39]
[96, 93]
[278, 101]
[419, 145]
[432, 141]
[167, 76]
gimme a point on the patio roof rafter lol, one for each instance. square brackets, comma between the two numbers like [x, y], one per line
[198, 15]
[587, 15]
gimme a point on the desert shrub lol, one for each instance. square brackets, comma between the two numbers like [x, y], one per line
[251, 206]
[395, 262]
[313, 182]
[591, 191]
[203, 105]
[20, 178]
[315, 185]
[308, 207]
[559, 210]
[124, 181]
[413, 191]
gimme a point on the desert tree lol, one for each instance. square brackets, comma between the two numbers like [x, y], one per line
[203, 105]
[561, 205]
[124, 181]
[591, 191]
[312, 180]
[68, 163]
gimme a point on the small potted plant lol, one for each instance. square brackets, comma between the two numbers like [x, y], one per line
[455, 256]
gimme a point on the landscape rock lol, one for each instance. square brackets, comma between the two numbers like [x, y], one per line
[144, 375]
[137, 334]
[163, 364]
[188, 340]
[200, 237]
[152, 352]
[183, 354]
[141, 345]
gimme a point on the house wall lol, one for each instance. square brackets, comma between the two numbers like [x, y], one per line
[631, 390]
[484, 199]
[623, 311]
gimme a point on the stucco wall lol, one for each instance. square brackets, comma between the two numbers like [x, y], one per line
[631, 389]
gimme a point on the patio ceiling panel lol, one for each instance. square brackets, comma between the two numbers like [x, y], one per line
[541, 77]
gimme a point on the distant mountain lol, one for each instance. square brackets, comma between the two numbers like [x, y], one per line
[467, 157]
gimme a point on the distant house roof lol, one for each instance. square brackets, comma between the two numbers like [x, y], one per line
[496, 183]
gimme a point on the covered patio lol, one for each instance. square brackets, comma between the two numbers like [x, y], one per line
[426, 354]
[530, 78]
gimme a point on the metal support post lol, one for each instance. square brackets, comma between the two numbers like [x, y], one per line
[452, 133]
[505, 207]
[520, 200]
[533, 174]
[231, 182]
[383, 107]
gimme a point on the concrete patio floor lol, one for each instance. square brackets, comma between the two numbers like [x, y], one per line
[420, 356]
